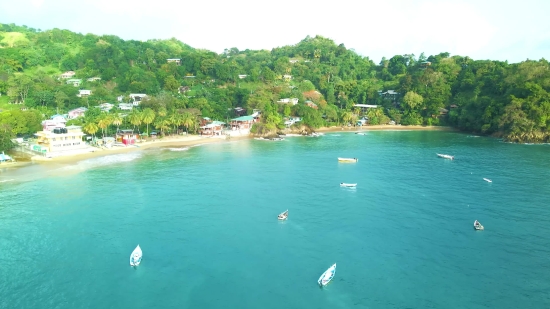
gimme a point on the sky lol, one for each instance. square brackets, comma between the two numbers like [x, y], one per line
[481, 29]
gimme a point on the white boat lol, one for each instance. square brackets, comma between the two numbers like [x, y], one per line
[487, 180]
[135, 257]
[343, 184]
[360, 133]
[445, 156]
[478, 226]
[327, 275]
[283, 215]
[351, 160]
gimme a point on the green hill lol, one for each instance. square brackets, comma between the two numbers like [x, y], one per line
[482, 96]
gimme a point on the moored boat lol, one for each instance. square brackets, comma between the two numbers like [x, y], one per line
[487, 180]
[343, 184]
[283, 215]
[327, 276]
[478, 226]
[445, 156]
[351, 160]
[135, 257]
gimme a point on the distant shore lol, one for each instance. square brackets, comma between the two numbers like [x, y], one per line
[385, 128]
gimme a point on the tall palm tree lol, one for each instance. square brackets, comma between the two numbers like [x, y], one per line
[162, 124]
[148, 115]
[188, 120]
[103, 122]
[174, 120]
[346, 117]
[91, 128]
[135, 118]
[117, 120]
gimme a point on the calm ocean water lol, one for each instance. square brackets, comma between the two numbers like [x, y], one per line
[205, 218]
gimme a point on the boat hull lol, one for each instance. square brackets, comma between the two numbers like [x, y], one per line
[136, 256]
[349, 185]
[327, 276]
[445, 156]
[348, 160]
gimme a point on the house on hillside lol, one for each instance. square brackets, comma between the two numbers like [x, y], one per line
[74, 81]
[391, 95]
[292, 101]
[174, 60]
[241, 76]
[77, 112]
[68, 74]
[84, 93]
[105, 107]
[135, 98]
[293, 60]
[311, 104]
[125, 106]
[55, 121]
[239, 111]
[94, 79]
[287, 77]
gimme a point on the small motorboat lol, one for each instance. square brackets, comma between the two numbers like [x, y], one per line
[135, 257]
[487, 180]
[352, 185]
[360, 133]
[478, 226]
[445, 156]
[283, 215]
[327, 275]
[349, 160]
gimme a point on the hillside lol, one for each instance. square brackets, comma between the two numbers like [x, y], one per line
[481, 96]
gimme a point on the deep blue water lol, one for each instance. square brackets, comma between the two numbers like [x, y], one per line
[205, 218]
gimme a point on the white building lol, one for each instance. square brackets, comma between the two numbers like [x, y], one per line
[292, 101]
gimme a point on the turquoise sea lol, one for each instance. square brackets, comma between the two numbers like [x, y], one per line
[206, 219]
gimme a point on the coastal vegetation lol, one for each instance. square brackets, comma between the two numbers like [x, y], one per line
[510, 101]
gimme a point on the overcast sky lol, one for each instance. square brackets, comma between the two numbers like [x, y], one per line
[481, 29]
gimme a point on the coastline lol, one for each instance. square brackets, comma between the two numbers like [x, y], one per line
[189, 140]
[385, 127]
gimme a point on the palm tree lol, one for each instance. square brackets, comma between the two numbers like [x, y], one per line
[162, 124]
[116, 120]
[91, 128]
[148, 115]
[347, 117]
[103, 122]
[187, 121]
[135, 118]
[174, 120]
[162, 111]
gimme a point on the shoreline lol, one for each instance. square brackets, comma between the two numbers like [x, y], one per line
[385, 127]
[189, 140]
